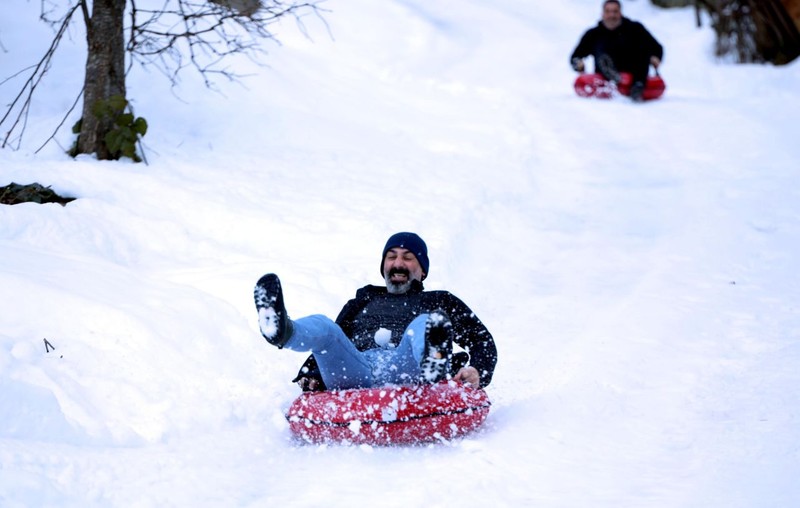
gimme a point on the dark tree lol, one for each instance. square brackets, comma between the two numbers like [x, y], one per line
[175, 35]
[753, 30]
[105, 75]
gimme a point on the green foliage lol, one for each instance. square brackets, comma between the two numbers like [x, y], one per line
[126, 129]
[15, 193]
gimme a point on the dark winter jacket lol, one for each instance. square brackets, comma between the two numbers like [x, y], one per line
[374, 308]
[630, 46]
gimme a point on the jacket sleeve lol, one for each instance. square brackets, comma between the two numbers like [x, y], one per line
[654, 48]
[585, 47]
[472, 335]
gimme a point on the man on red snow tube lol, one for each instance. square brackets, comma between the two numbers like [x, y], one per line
[623, 51]
[393, 335]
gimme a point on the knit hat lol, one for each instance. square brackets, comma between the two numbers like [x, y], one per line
[412, 242]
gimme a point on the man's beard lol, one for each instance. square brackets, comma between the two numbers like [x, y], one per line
[398, 288]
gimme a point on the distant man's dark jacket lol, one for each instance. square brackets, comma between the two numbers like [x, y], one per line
[630, 47]
[374, 308]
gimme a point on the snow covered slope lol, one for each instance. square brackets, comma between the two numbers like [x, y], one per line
[636, 264]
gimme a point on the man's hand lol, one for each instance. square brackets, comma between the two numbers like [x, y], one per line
[308, 384]
[468, 375]
[655, 61]
[577, 64]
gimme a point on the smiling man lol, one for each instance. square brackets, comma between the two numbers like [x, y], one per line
[401, 266]
[393, 334]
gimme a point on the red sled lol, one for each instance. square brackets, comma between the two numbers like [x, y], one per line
[389, 415]
[595, 85]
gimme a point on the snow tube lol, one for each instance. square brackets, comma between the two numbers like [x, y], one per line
[595, 85]
[388, 415]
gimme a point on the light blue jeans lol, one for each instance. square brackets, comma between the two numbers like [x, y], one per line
[342, 366]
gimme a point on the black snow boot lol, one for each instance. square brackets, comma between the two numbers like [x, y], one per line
[438, 347]
[637, 91]
[273, 321]
[607, 68]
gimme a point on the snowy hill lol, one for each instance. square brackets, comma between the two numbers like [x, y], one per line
[636, 264]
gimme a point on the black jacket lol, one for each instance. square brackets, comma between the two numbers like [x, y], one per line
[630, 46]
[374, 308]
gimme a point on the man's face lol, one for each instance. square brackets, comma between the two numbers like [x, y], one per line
[400, 267]
[612, 15]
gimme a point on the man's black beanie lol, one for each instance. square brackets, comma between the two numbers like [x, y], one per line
[412, 242]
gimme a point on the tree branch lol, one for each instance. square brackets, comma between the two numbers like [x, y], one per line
[61, 123]
[182, 33]
[25, 95]
[201, 34]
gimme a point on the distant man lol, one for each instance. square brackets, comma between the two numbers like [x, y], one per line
[619, 44]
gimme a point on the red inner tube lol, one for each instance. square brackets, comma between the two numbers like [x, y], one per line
[594, 85]
[388, 415]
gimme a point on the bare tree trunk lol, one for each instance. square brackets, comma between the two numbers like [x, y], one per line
[105, 73]
[754, 30]
[776, 32]
[793, 10]
[171, 36]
